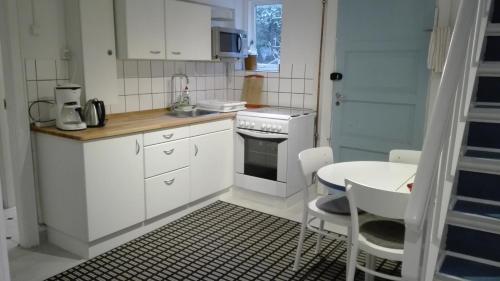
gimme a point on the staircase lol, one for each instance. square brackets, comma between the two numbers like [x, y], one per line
[453, 216]
[470, 247]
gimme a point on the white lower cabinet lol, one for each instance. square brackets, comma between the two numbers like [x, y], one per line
[114, 181]
[99, 194]
[211, 163]
[167, 192]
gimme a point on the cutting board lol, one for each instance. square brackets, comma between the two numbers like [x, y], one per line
[252, 89]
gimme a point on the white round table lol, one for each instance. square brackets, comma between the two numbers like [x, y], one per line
[388, 176]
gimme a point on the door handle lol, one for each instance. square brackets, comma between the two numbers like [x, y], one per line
[169, 152]
[170, 182]
[339, 99]
[137, 147]
[155, 52]
[195, 150]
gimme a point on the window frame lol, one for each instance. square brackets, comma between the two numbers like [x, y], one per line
[251, 24]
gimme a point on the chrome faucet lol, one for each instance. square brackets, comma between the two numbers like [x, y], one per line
[173, 102]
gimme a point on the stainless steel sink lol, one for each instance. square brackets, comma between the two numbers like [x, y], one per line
[193, 113]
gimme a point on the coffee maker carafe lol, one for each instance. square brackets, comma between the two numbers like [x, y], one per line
[69, 112]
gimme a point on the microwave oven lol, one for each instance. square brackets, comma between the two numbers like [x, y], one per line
[229, 43]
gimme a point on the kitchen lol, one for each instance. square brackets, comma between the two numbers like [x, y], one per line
[173, 127]
[59, 57]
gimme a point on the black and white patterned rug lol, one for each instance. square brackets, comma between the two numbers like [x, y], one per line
[220, 242]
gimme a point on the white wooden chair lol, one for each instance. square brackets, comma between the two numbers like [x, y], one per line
[405, 156]
[322, 208]
[382, 238]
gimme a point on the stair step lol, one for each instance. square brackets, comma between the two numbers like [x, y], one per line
[473, 242]
[478, 185]
[455, 268]
[492, 46]
[485, 112]
[475, 214]
[485, 135]
[489, 69]
[495, 17]
[475, 161]
[493, 29]
[488, 89]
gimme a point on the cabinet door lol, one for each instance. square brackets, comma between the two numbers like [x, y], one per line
[114, 176]
[98, 50]
[212, 166]
[188, 28]
[140, 29]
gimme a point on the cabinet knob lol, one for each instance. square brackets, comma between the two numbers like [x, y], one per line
[155, 52]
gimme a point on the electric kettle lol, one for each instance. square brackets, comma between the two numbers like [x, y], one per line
[94, 113]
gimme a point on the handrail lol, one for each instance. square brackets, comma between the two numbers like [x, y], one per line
[435, 135]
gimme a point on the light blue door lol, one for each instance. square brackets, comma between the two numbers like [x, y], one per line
[379, 104]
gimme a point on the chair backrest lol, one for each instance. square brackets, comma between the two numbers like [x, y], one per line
[379, 202]
[405, 156]
[312, 159]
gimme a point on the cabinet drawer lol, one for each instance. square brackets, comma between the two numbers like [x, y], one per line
[167, 192]
[207, 128]
[165, 157]
[166, 135]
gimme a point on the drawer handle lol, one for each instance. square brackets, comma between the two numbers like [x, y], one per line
[169, 152]
[169, 136]
[155, 52]
[176, 53]
[170, 182]
[137, 147]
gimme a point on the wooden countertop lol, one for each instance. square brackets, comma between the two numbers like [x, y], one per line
[133, 122]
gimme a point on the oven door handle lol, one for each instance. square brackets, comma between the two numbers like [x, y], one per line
[261, 135]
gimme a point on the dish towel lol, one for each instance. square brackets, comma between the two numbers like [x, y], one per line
[438, 48]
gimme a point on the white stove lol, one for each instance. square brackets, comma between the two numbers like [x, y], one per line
[269, 140]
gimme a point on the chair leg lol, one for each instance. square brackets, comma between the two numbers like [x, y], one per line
[301, 241]
[320, 237]
[371, 264]
[351, 263]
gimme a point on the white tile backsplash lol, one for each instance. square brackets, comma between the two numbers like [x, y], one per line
[157, 85]
[46, 70]
[131, 86]
[145, 86]
[31, 87]
[132, 103]
[46, 89]
[119, 106]
[146, 102]
[285, 85]
[298, 71]
[30, 69]
[62, 71]
[297, 100]
[309, 86]
[298, 86]
[158, 101]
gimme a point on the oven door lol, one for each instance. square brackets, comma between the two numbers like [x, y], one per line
[261, 154]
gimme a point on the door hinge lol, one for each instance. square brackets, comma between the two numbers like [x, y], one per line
[5, 104]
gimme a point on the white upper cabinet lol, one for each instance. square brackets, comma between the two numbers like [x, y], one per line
[90, 33]
[140, 29]
[188, 29]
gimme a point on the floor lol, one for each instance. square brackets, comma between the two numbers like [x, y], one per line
[48, 260]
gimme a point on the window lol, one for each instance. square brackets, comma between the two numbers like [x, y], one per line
[266, 26]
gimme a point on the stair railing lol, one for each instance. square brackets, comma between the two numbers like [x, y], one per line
[426, 211]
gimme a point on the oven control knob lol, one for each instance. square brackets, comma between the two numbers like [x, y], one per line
[242, 123]
[252, 125]
[263, 127]
[280, 128]
[273, 128]
[247, 124]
